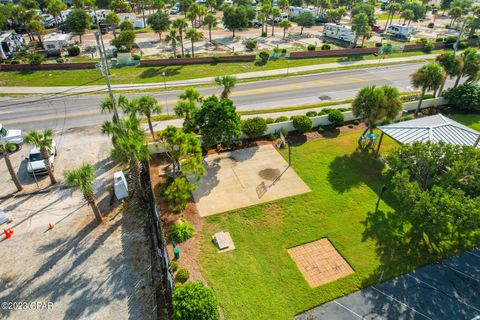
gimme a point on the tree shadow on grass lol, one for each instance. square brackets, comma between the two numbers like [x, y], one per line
[156, 72]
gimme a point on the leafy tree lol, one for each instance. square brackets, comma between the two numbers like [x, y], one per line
[455, 13]
[160, 22]
[465, 97]
[361, 27]
[177, 193]
[173, 38]
[125, 38]
[428, 77]
[275, 13]
[83, 178]
[452, 66]
[78, 21]
[418, 8]
[438, 189]
[366, 8]
[392, 8]
[373, 104]
[228, 83]
[120, 6]
[194, 301]
[445, 5]
[217, 122]
[43, 140]
[112, 20]
[5, 150]
[470, 65]
[335, 15]
[284, 5]
[158, 5]
[408, 15]
[37, 28]
[55, 8]
[305, 20]
[211, 22]
[184, 5]
[180, 24]
[145, 106]
[126, 25]
[285, 24]
[184, 151]
[194, 35]
[188, 103]
[235, 17]
[254, 127]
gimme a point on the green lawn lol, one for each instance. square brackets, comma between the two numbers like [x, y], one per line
[154, 74]
[259, 280]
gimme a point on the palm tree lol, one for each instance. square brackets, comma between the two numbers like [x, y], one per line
[37, 28]
[276, 13]
[187, 106]
[83, 178]
[228, 83]
[408, 15]
[285, 24]
[5, 149]
[173, 38]
[455, 13]
[470, 65]
[146, 106]
[428, 77]
[194, 36]
[43, 140]
[373, 104]
[452, 66]
[107, 105]
[211, 22]
[55, 8]
[180, 24]
[392, 8]
[112, 20]
[361, 27]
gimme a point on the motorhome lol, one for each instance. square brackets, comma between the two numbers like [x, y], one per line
[296, 11]
[400, 31]
[339, 32]
[57, 41]
[99, 15]
[9, 43]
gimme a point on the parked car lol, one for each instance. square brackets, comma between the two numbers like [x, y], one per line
[35, 163]
[377, 28]
[13, 136]
[174, 10]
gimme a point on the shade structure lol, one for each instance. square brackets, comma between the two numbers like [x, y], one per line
[434, 128]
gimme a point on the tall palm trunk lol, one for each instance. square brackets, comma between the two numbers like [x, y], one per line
[441, 87]
[13, 175]
[181, 42]
[136, 173]
[193, 50]
[284, 32]
[46, 161]
[210, 33]
[458, 80]
[150, 126]
[93, 204]
[420, 101]
[273, 26]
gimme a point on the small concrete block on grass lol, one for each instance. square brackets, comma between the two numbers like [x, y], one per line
[320, 262]
[231, 180]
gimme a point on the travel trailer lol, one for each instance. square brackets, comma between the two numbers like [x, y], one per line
[9, 43]
[57, 41]
[339, 32]
[400, 31]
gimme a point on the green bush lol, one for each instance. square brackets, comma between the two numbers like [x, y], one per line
[311, 47]
[326, 47]
[60, 60]
[284, 50]
[264, 56]
[126, 25]
[174, 266]
[465, 97]
[35, 59]
[378, 44]
[73, 51]
[269, 120]
[431, 25]
[136, 57]
[439, 40]
[251, 44]
[15, 61]
[281, 119]
[182, 275]
[194, 301]
[463, 45]
[302, 123]
[336, 118]
[254, 127]
[188, 55]
[311, 114]
[321, 130]
[350, 126]
[428, 47]
[181, 231]
[428, 96]
[356, 122]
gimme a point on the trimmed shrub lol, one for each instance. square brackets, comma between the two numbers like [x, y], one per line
[428, 47]
[136, 57]
[73, 51]
[264, 56]
[284, 50]
[269, 120]
[311, 47]
[378, 44]
[15, 61]
[281, 119]
[350, 126]
[336, 118]
[251, 44]
[35, 59]
[181, 231]
[463, 45]
[439, 40]
[188, 55]
[321, 130]
[254, 127]
[60, 60]
[182, 275]
[356, 122]
[428, 96]
[465, 97]
[326, 47]
[311, 114]
[431, 25]
[302, 123]
[174, 266]
[194, 301]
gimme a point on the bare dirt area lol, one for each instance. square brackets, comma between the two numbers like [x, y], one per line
[85, 270]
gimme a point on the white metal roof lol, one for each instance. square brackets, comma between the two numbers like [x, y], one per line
[58, 37]
[433, 128]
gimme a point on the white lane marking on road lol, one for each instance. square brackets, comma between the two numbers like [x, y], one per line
[348, 309]
[402, 303]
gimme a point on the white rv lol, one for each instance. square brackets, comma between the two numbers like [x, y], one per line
[399, 31]
[9, 43]
[339, 32]
[57, 41]
[99, 14]
[65, 14]
[296, 11]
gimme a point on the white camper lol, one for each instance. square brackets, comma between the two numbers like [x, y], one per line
[400, 31]
[9, 43]
[339, 32]
[296, 11]
[57, 41]
[130, 16]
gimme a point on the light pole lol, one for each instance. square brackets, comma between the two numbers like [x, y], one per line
[165, 89]
[288, 66]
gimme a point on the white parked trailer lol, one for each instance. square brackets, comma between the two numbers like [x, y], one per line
[296, 11]
[339, 32]
[57, 41]
[400, 31]
[9, 43]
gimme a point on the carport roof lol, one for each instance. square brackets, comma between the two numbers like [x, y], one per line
[433, 128]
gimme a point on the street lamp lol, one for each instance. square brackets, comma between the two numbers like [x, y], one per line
[165, 88]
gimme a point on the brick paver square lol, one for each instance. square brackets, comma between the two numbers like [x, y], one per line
[319, 262]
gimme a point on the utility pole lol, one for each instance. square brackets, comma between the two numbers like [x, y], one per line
[165, 90]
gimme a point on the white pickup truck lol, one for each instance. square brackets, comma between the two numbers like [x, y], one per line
[12, 136]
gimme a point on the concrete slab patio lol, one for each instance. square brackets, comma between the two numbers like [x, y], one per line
[235, 180]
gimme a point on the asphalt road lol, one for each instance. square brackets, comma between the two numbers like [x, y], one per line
[64, 112]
